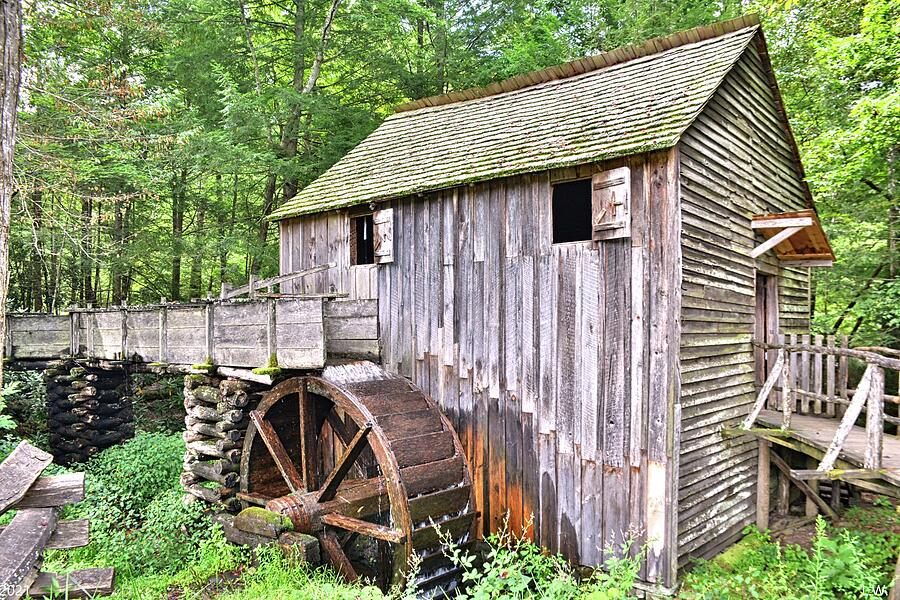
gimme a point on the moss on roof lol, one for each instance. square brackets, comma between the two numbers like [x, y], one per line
[640, 99]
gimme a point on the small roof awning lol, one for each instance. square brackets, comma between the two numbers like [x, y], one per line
[797, 238]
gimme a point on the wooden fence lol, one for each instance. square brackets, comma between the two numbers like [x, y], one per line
[297, 333]
[807, 376]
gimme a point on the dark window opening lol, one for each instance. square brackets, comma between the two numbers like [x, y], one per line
[362, 240]
[572, 211]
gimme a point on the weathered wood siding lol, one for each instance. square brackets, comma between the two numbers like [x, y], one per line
[552, 360]
[735, 162]
[37, 336]
[320, 239]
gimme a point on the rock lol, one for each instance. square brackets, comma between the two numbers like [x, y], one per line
[300, 545]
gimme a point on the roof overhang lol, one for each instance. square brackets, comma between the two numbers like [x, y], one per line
[797, 238]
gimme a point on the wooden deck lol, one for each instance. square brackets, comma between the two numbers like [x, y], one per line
[818, 432]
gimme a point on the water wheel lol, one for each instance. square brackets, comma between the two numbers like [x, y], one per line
[367, 462]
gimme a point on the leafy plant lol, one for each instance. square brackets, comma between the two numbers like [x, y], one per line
[835, 567]
[514, 567]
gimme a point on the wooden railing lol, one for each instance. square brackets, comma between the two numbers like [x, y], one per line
[805, 376]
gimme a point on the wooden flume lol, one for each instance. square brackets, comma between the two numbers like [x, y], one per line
[366, 462]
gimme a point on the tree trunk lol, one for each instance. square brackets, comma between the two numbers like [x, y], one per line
[118, 289]
[178, 195]
[196, 277]
[10, 73]
[88, 294]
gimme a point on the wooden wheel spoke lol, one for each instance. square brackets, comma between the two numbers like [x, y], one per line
[339, 427]
[308, 439]
[348, 539]
[380, 532]
[276, 449]
[354, 449]
[336, 556]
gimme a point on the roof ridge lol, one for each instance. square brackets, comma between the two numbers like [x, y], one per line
[587, 64]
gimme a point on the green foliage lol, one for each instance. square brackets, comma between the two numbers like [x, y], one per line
[9, 389]
[877, 532]
[139, 522]
[837, 566]
[162, 407]
[23, 404]
[278, 577]
[514, 567]
[123, 481]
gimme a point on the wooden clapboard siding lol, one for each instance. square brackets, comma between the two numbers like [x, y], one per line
[320, 239]
[735, 161]
[551, 361]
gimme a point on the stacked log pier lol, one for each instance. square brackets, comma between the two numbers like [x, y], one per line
[87, 409]
[217, 411]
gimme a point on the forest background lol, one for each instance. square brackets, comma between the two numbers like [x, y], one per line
[155, 136]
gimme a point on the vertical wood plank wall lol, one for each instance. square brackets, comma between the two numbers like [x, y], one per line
[319, 239]
[735, 162]
[552, 361]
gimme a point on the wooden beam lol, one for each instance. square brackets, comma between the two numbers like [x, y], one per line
[777, 223]
[849, 419]
[763, 489]
[813, 262]
[843, 474]
[763, 395]
[803, 486]
[875, 421]
[263, 283]
[245, 374]
[774, 241]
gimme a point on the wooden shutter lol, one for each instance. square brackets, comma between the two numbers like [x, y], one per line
[383, 221]
[611, 204]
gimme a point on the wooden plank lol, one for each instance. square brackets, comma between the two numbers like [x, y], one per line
[19, 471]
[54, 491]
[68, 535]
[85, 583]
[22, 542]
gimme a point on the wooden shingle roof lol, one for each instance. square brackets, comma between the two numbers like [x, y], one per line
[631, 100]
